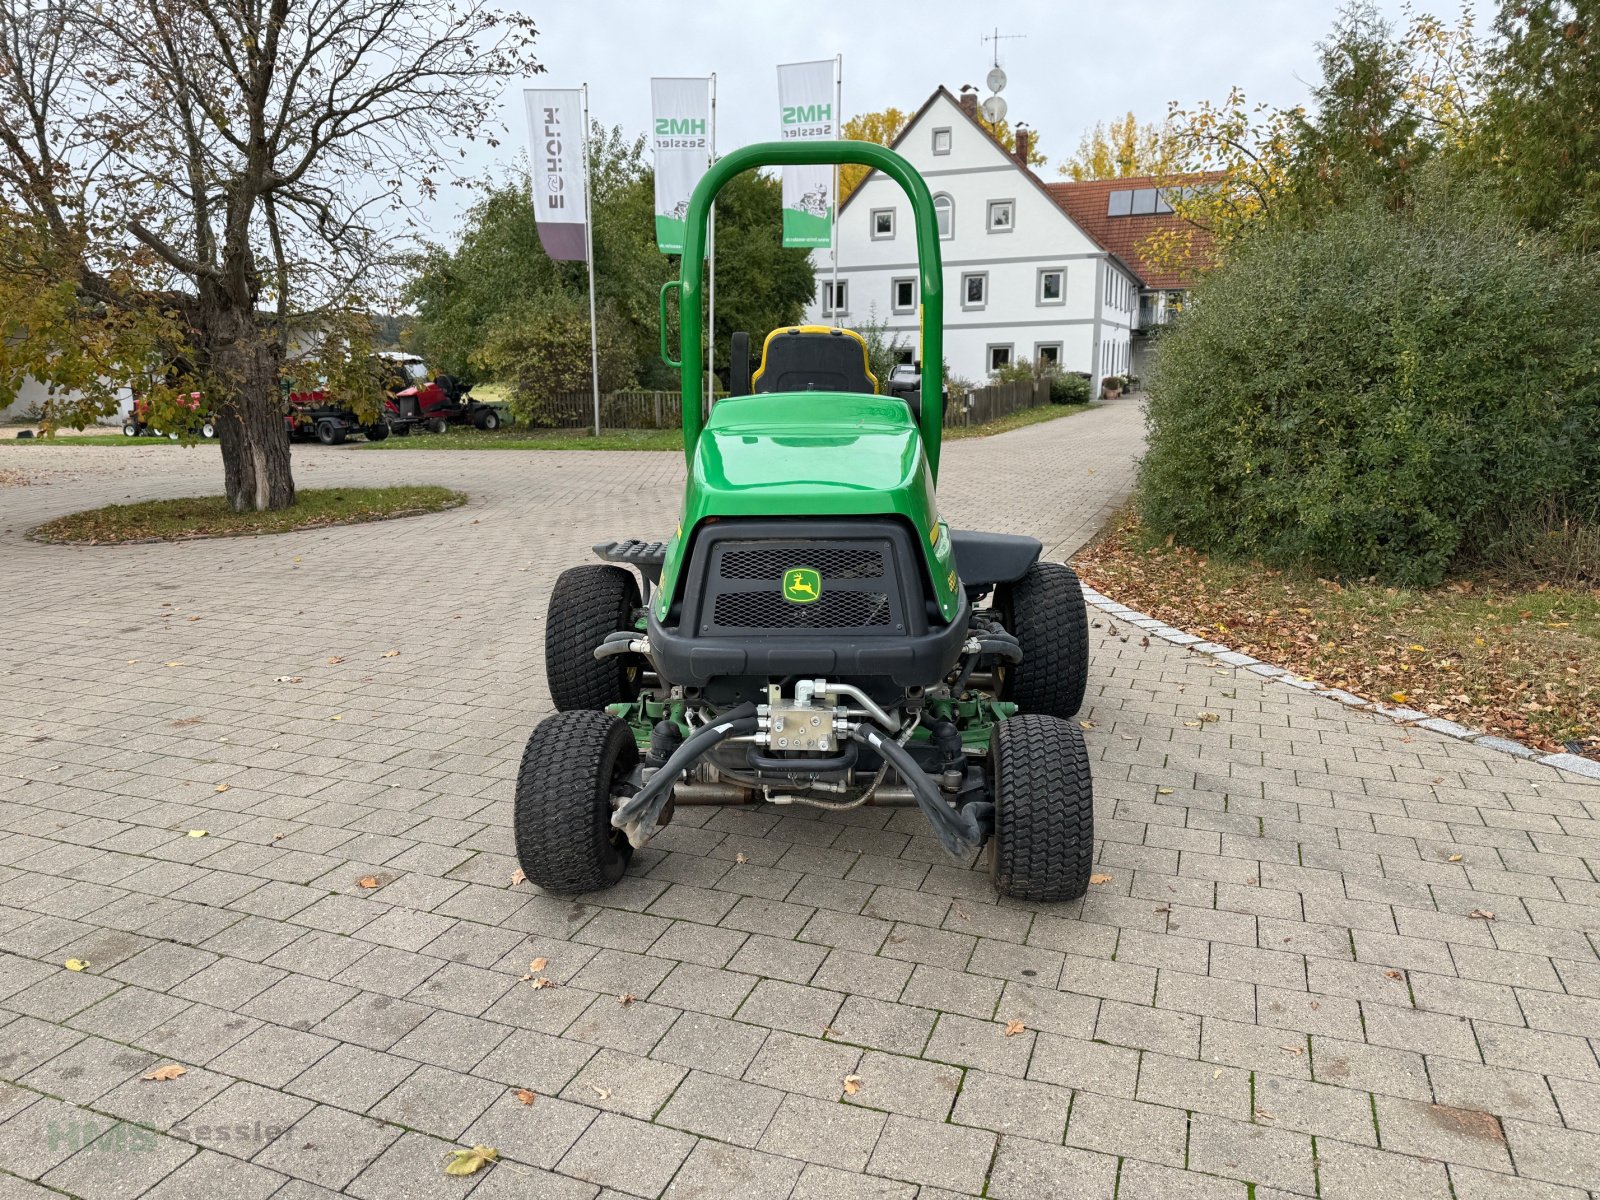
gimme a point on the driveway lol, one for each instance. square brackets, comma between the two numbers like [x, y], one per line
[1287, 985]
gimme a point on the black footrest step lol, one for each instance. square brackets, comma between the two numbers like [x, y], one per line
[647, 556]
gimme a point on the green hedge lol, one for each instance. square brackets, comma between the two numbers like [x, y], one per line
[1389, 395]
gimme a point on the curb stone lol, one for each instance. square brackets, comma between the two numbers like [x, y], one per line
[1573, 763]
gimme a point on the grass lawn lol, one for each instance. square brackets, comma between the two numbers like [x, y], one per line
[654, 439]
[1518, 660]
[210, 516]
[7, 438]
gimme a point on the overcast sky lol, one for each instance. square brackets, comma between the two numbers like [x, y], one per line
[1079, 61]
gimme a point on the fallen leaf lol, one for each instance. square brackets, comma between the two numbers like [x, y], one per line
[1263, 1115]
[334, 660]
[961, 913]
[626, 999]
[470, 1162]
[368, 881]
[175, 664]
[198, 832]
[1217, 1074]
[337, 717]
[1014, 1027]
[76, 964]
[1293, 1049]
[1209, 717]
[1165, 908]
[1097, 877]
[524, 1095]
[1454, 858]
[852, 1084]
[1163, 791]
[541, 983]
[1191, 724]
[538, 965]
[390, 654]
[222, 787]
[1482, 914]
[170, 1071]
[1085, 724]
[1393, 975]
[603, 1093]
[1145, 642]
[741, 858]
[1399, 697]
[288, 679]
[518, 877]
[829, 1031]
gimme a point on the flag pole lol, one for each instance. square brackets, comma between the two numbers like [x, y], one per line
[833, 211]
[711, 244]
[588, 254]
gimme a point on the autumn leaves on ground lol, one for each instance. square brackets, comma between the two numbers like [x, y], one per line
[1520, 662]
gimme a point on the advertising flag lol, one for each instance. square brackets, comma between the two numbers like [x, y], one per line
[555, 154]
[807, 97]
[681, 109]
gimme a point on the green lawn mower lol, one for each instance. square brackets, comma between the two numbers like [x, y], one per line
[813, 633]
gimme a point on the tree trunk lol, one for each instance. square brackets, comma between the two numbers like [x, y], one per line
[247, 405]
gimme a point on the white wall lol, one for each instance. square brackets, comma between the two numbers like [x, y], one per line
[32, 394]
[974, 173]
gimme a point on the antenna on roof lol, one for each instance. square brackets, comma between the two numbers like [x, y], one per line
[997, 37]
[994, 108]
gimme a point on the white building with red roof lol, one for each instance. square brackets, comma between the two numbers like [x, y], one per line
[1032, 270]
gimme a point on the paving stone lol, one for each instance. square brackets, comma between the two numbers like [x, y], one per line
[1570, 1157]
[631, 1156]
[1358, 1173]
[352, 1077]
[88, 1070]
[122, 1163]
[327, 1147]
[1253, 1153]
[1148, 1179]
[212, 1176]
[933, 1153]
[1078, 1063]
[710, 1044]
[1128, 1127]
[241, 1120]
[778, 1004]
[895, 1028]
[448, 1039]
[536, 1134]
[618, 1082]
[412, 1168]
[724, 1109]
[982, 1044]
[528, 1059]
[826, 1183]
[437, 1101]
[824, 1132]
[272, 1055]
[1012, 1106]
[713, 1170]
[809, 1066]
[1026, 1170]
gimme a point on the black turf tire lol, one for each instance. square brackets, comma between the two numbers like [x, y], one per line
[587, 604]
[438, 425]
[1046, 612]
[377, 432]
[1043, 844]
[562, 811]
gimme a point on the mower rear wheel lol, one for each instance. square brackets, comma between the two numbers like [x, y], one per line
[329, 434]
[487, 420]
[438, 425]
[377, 432]
[587, 604]
[1043, 843]
[562, 811]
[1046, 612]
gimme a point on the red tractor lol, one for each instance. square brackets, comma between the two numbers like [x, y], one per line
[435, 404]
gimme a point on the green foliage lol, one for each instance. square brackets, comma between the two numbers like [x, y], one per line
[541, 349]
[1542, 121]
[499, 267]
[1068, 388]
[885, 347]
[1389, 394]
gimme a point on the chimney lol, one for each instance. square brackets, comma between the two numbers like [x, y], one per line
[969, 100]
[1024, 143]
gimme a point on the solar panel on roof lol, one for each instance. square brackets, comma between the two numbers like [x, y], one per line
[1119, 204]
[1144, 202]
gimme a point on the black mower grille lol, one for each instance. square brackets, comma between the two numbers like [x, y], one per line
[831, 562]
[835, 610]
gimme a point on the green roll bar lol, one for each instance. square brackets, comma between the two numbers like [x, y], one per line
[690, 291]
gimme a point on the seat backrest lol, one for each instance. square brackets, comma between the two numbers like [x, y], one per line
[814, 358]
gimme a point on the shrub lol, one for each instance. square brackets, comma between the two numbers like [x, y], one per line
[1068, 388]
[540, 349]
[1388, 395]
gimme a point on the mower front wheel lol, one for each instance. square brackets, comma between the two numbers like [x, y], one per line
[587, 604]
[1046, 612]
[1043, 843]
[562, 811]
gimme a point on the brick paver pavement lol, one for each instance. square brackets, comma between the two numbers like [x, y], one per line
[1282, 989]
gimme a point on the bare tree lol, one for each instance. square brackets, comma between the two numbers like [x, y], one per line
[223, 167]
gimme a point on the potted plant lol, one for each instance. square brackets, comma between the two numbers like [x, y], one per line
[1111, 386]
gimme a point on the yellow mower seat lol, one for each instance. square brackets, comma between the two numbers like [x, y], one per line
[814, 358]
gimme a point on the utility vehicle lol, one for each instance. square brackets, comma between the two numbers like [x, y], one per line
[812, 632]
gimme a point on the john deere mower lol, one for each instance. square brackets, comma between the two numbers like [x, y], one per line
[813, 633]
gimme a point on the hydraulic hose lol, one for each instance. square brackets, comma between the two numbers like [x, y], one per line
[638, 815]
[958, 830]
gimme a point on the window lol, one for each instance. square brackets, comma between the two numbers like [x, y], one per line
[835, 298]
[944, 213]
[941, 141]
[904, 294]
[1047, 354]
[999, 356]
[1002, 213]
[975, 289]
[1052, 285]
[882, 224]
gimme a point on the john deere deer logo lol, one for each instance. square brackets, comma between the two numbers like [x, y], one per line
[801, 585]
